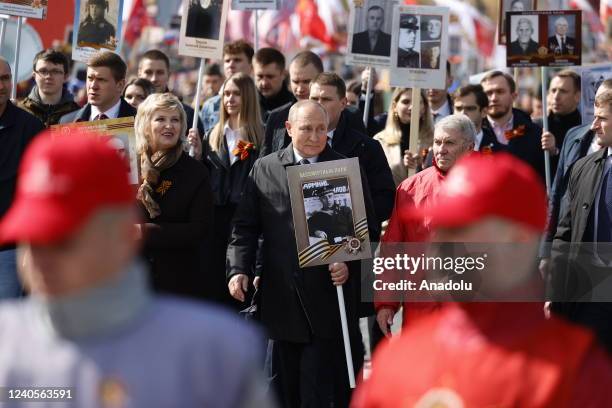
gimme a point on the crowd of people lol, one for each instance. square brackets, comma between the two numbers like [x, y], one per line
[94, 259]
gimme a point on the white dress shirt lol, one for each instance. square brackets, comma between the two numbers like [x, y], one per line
[477, 140]
[299, 157]
[441, 112]
[231, 138]
[111, 113]
[500, 130]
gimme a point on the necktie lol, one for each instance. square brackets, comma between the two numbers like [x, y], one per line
[604, 211]
[563, 45]
[101, 117]
[304, 161]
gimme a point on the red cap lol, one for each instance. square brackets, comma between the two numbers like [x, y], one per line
[488, 185]
[62, 181]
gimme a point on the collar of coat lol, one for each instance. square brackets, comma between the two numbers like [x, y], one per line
[287, 157]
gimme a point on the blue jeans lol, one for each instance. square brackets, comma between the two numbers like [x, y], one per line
[9, 283]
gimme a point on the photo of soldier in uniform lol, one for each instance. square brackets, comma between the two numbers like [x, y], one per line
[95, 29]
[372, 30]
[561, 40]
[328, 210]
[524, 35]
[204, 19]
[408, 55]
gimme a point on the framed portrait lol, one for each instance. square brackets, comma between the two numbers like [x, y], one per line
[25, 8]
[97, 28]
[328, 212]
[120, 135]
[548, 38]
[419, 47]
[203, 28]
[511, 5]
[591, 77]
[370, 28]
[255, 5]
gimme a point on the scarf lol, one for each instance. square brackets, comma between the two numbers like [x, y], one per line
[151, 166]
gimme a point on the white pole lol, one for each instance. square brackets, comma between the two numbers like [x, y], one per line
[366, 109]
[345, 337]
[2, 31]
[16, 60]
[196, 107]
[256, 30]
[545, 123]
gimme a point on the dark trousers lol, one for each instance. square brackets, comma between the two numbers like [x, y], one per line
[314, 375]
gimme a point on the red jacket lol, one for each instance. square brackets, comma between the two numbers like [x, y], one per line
[489, 355]
[416, 191]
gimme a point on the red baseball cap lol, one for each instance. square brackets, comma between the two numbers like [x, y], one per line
[488, 185]
[62, 181]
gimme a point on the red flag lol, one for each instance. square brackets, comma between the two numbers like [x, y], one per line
[311, 23]
[139, 19]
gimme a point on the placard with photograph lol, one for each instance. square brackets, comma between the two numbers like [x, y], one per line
[511, 5]
[99, 28]
[203, 28]
[591, 77]
[419, 48]
[120, 135]
[25, 8]
[370, 27]
[255, 5]
[551, 38]
[329, 212]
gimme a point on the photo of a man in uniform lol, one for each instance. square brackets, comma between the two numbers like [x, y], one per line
[524, 43]
[204, 19]
[94, 28]
[407, 57]
[373, 41]
[561, 43]
[333, 221]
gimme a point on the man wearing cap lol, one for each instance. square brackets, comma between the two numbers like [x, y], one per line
[91, 322]
[407, 57]
[333, 221]
[453, 138]
[490, 354]
[17, 129]
[95, 29]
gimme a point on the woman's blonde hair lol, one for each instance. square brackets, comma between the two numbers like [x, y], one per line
[249, 120]
[144, 116]
[392, 134]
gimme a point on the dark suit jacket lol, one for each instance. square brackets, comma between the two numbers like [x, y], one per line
[361, 44]
[172, 241]
[553, 45]
[516, 49]
[295, 302]
[82, 115]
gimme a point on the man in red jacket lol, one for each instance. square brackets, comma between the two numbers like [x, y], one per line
[453, 138]
[490, 354]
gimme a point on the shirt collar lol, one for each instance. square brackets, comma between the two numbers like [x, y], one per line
[112, 113]
[444, 110]
[477, 140]
[299, 157]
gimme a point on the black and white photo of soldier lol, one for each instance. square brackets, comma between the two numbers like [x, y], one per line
[333, 220]
[204, 19]
[407, 56]
[94, 28]
[373, 40]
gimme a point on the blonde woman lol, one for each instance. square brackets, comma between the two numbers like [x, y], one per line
[174, 196]
[396, 135]
[231, 149]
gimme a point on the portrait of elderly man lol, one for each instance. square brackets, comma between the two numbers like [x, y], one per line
[407, 57]
[373, 41]
[95, 29]
[524, 43]
[560, 43]
[333, 221]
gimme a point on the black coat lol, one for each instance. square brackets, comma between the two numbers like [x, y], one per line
[295, 302]
[555, 48]
[82, 115]
[516, 49]
[267, 105]
[361, 44]
[172, 241]
[527, 147]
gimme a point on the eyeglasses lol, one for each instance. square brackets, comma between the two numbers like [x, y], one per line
[51, 72]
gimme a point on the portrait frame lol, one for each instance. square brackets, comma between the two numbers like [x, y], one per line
[25, 8]
[203, 28]
[409, 70]
[506, 5]
[255, 5]
[340, 241]
[121, 129]
[358, 11]
[83, 48]
[546, 55]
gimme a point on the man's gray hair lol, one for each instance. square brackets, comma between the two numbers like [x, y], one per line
[524, 21]
[458, 123]
[295, 109]
[561, 20]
